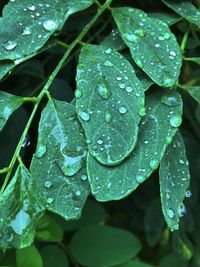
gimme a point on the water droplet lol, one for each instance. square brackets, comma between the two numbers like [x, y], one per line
[103, 91]
[170, 213]
[122, 110]
[99, 141]
[84, 115]
[108, 117]
[48, 184]
[122, 85]
[169, 140]
[41, 151]
[84, 177]
[157, 45]
[140, 178]
[78, 93]
[50, 25]
[131, 37]
[26, 141]
[188, 193]
[142, 112]
[78, 193]
[175, 121]
[27, 31]
[31, 7]
[108, 51]
[49, 200]
[129, 89]
[109, 185]
[172, 53]
[182, 210]
[139, 32]
[154, 164]
[170, 100]
[119, 78]
[108, 63]
[10, 45]
[168, 82]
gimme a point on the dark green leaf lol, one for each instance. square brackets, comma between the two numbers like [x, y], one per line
[53, 256]
[193, 59]
[134, 263]
[164, 111]
[58, 164]
[8, 104]
[194, 91]
[20, 210]
[185, 9]
[168, 17]
[102, 246]
[182, 245]
[25, 26]
[153, 46]
[110, 103]
[174, 181]
[172, 260]
[29, 257]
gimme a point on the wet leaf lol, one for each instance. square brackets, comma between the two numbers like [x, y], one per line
[185, 9]
[164, 111]
[152, 45]
[114, 41]
[174, 182]
[20, 210]
[8, 104]
[110, 103]
[168, 17]
[58, 164]
[25, 27]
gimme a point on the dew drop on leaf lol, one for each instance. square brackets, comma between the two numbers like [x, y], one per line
[27, 31]
[140, 178]
[78, 193]
[103, 91]
[170, 101]
[26, 141]
[48, 184]
[10, 45]
[122, 110]
[129, 89]
[50, 25]
[108, 63]
[188, 193]
[84, 177]
[41, 151]
[84, 115]
[99, 141]
[142, 112]
[132, 37]
[49, 200]
[170, 213]
[31, 7]
[108, 117]
[108, 51]
[182, 210]
[175, 121]
[154, 164]
[78, 93]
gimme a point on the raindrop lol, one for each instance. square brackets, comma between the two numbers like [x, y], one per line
[140, 178]
[10, 45]
[142, 112]
[122, 110]
[48, 184]
[78, 193]
[175, 121]
[41, 151]
[108, 51]
[182, 210]
[84, 177]
[170, 213]
[188, 193]
[78, 93]
[50, 25]
[169, 140]
[168, 82]
[84, 115]
[129, 89]
[27, 31]
[108, 63]
[131, 37]
[154, 164]
[49, 200]
[26, 141]
[108, 117]
[170, 101]
[31, 7]
[122, 85]
[103, 91]
[99, 141]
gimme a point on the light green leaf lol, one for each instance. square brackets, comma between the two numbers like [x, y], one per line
[152, 45]
[20, 210]
[53, 256]
[174, 181]
[194, 91]
[168, 17]
[102, 246]
[29, 257]
[8, 104]
[58, 164]
[164, 111]
[185, 9]
[26, 26]
[110, 103]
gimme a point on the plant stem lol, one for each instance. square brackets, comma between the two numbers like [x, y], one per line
[46, 87]
[184, 40]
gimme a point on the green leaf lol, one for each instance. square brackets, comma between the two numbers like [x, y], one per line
[152, 45]
[93, 213]
[174, 181]
[173, 260]
[153, 222]
[164, 111]
[102, 246]
[29, 257]
[53, 256]
[110, 103]
[8, 104]
[194, 91]
[114, 41]
[182, 245]
[134, 263]
[20, 210]
[49, 230]
[58, 164]
[185, 9]
[25, 27]
[193, 59]
[168, 17]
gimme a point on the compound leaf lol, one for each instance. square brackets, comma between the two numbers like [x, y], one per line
[109, 102]
[8, 104]
[58, 164]
[103, 246]
[25, 27]
[174, 181]
[185, 9]
[152, 45]
[164, 111]
[20, 210]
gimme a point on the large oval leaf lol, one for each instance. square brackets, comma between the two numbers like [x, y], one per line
[174, 181]
[110, 103]
[163, 116]
[103, 246]
[20, 210]
[26, 26]
[153, 46]
[58, 164]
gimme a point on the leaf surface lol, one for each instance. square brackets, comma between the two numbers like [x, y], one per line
[29, 257]
[53, 256]
[168, 17]
[58, 164]
[194, 91]
[164, 111]
[8, 104]
[185, 9]
[174, 181]
[20, 210]
[152, 45]
[110, 103]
